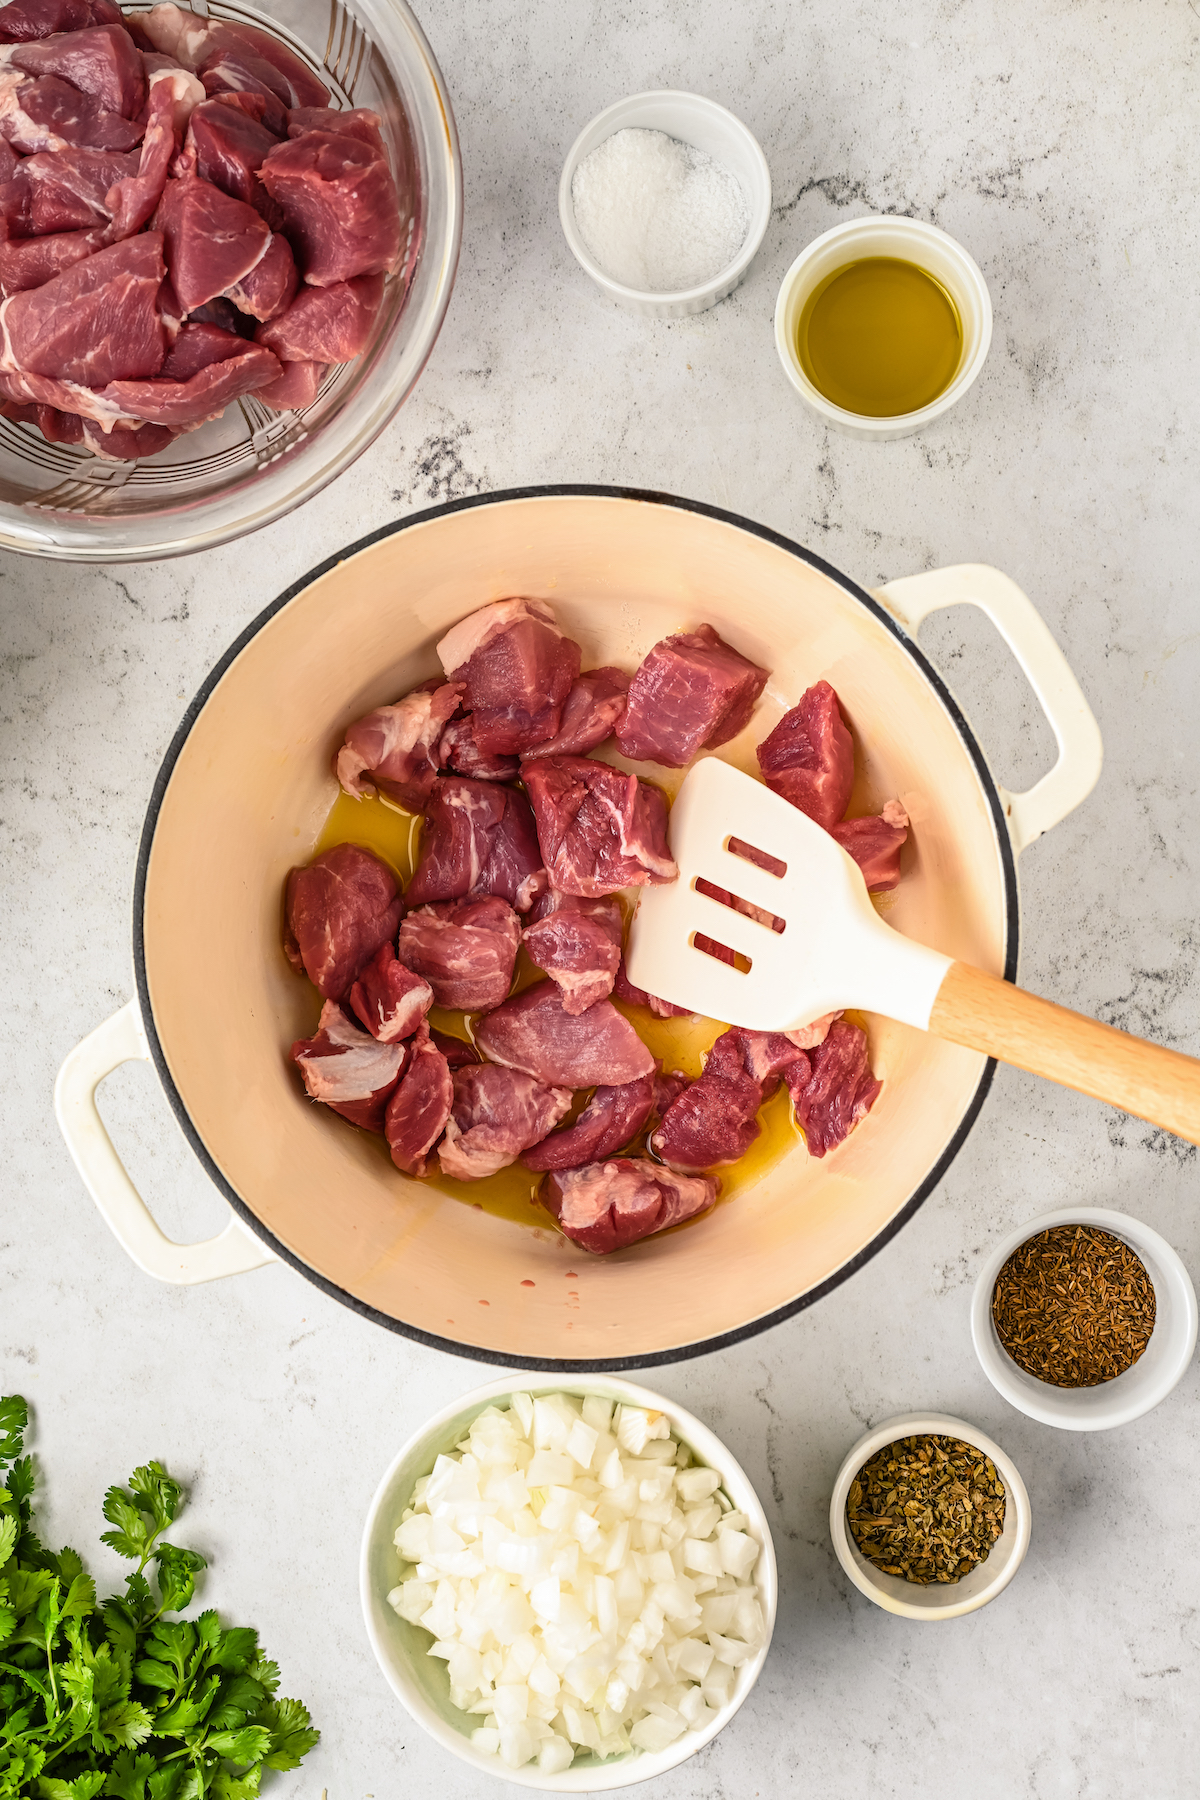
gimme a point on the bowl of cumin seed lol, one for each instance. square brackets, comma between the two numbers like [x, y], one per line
[929, 1518]
[1084, 1318]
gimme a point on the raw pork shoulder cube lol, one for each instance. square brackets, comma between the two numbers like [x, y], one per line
[459, 751]
[325, 325]
[600, 829]
[591, 713]
[606, 1206]
[610, 1119]
[203, 396]
[340, 909]
[96, 323]
[518, 668]
[23, 21]
[213, 240]
[347, 1070]
[397, 746]
[101, 61]
[692, 692]
[714, 1121]
[389, 999]
[419, 1108]
[497, 1113]
[875, 844]
[578, 944]
[624, 989]
[44, 112]
[457, 1052]
[27, 263]
[533, 1031]
[228, 147]
[464, 949]
[354, 121]
[839, 1092]
[340, 207]
[809, 757]
[479, 838]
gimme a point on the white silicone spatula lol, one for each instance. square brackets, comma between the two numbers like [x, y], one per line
[836, 952]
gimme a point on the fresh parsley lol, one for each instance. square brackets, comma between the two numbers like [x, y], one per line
[117, 1698]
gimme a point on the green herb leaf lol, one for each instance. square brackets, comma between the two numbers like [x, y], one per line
[131, 1534]
[127, 1777]
[14, 1417]
[237, 1787]
[8, 1538]
[177, 1571]
[237, 1650]
[84, 1787]
[156, 1494]
[292, 1735]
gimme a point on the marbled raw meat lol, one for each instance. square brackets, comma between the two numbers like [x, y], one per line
[396, 747]
[418, 1110]
[184, 405]
[807, 1037]
[212, 240]
[389, 999]
[234, 74]
[126, 443]
[459, 751]
[195, 42]
[479, 838]
[197, 347]
[67, 188]
[518, 667]
[464, 949]
[839, 1091]
[24, 21]
[27, 263]
[97, 322]
[346, 1069]
[607, 1206]
[809, 756]
[600, 829]
[691, 692]
[132, 198]
[339, 910]
[353, 121]
[714, 1121]
[339, 203]
[667, 1088]
[496, 1114]
[47, 113]
[227, 145]
[591, 713]
[533, 1031]
[578, 944]
[100, 60]
[268, 289]
[326, 325]
[624, 989]
[296, 387]
[612, 1117]
[875, 844]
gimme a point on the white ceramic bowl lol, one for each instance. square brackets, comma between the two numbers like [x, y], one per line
[912, 241]
[421, 1682]
[1152, 1376]
[949, 1600]
[706, 126]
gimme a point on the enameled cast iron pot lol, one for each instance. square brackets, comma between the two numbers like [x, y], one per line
[242, 796]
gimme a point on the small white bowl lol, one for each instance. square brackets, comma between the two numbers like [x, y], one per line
[940, 1600]
[1153, 1375]
[421, 1682]
[706, 126]
[912, 241]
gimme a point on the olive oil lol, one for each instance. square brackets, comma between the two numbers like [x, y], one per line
[394, 835]
[880, 337]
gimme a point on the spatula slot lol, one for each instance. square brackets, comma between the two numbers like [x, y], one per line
[762, 859]
[733, 959]
[759, 914]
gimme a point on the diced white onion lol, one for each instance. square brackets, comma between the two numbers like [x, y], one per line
[586, 1586]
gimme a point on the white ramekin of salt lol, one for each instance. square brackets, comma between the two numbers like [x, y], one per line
[664, 200]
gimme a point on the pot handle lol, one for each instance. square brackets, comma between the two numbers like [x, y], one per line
[122, 1039]
[1080, 750]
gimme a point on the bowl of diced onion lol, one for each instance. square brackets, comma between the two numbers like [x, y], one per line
[571, 1585]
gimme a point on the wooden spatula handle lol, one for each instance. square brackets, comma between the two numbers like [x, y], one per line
[991, 1015]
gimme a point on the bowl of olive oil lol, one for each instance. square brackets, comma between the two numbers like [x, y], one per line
[882, 324]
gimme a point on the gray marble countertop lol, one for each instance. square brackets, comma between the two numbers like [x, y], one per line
[1057, 142]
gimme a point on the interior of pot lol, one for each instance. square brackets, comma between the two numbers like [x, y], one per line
[250, 791]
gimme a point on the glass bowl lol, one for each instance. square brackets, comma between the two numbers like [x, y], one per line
[253, 465]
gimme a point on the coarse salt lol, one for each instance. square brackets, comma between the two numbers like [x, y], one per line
[658, 215]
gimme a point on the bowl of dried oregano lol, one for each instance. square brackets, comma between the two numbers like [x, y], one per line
[929, 1518]
[1084, 1318]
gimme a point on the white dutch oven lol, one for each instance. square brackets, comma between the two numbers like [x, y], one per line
[243, 793]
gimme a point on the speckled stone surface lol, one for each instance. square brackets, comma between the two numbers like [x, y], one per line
[1058, 143]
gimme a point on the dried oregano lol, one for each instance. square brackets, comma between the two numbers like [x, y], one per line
[1074, 1306]
[926, 1508]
